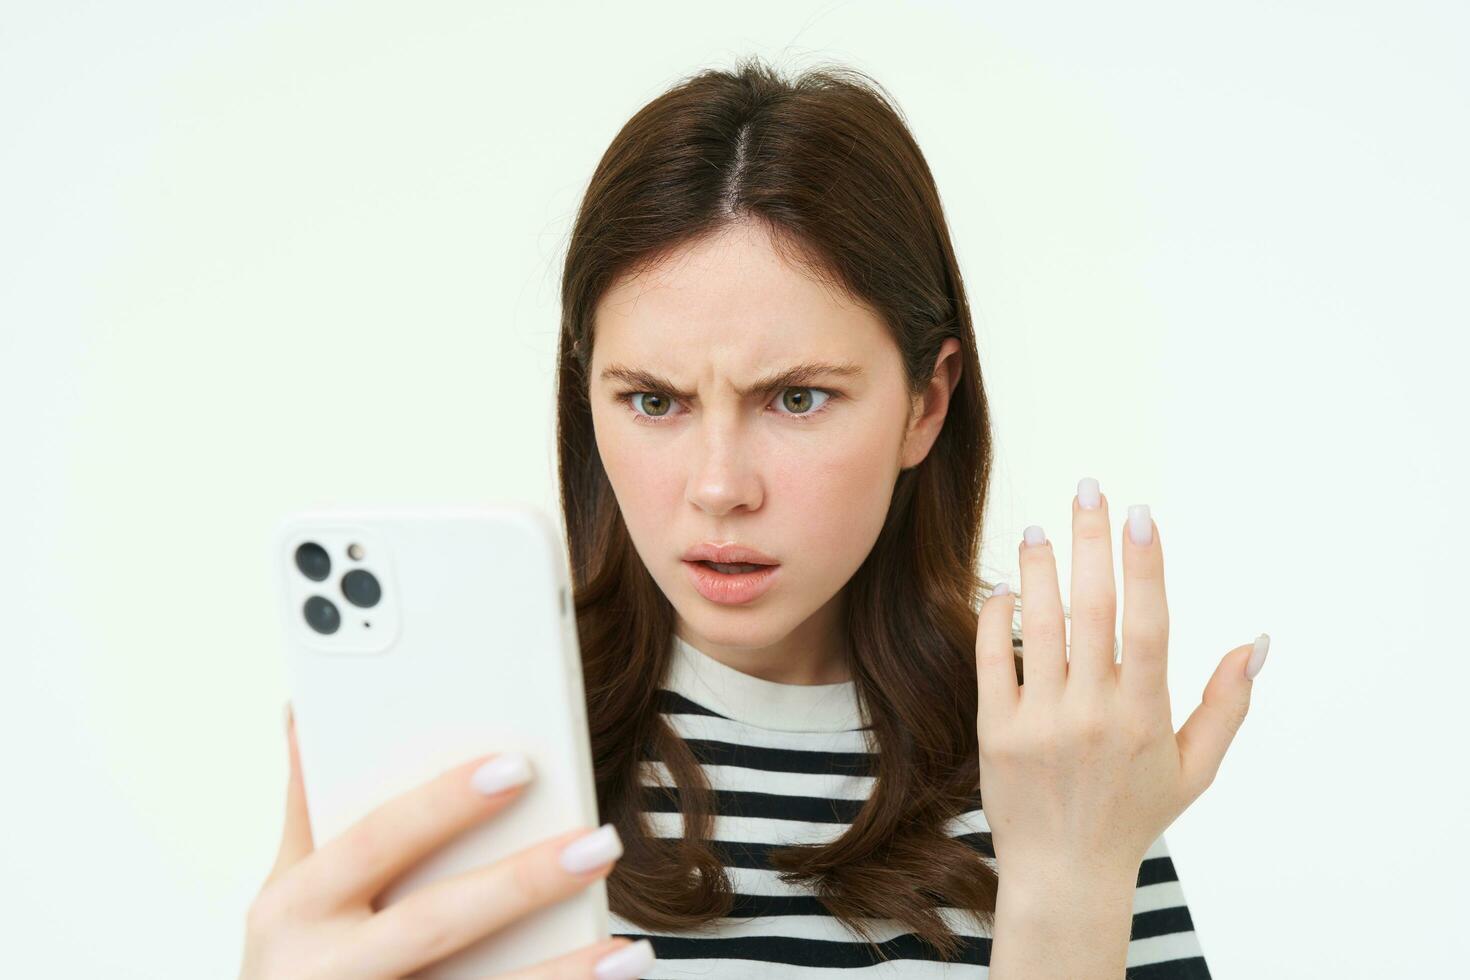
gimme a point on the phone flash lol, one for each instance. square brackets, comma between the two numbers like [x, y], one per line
[354, 551]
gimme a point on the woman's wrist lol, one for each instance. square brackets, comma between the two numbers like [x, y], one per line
[1060, 920]
[1064, 877]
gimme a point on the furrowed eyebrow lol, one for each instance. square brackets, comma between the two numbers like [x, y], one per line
[793, 377]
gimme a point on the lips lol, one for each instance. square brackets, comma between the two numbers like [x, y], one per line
[732, 588]
[728, 554]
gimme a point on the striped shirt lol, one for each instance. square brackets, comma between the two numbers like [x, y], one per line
[784, 757]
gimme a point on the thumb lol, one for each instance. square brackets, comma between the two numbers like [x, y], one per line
[1211, 727]
[296, 840]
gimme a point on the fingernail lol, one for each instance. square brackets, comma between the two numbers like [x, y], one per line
[1258, 657]
[592, 851]
[1087, 493]
[501, 773]
[1140, 524]
[1034, 535]
[628, 963]
[1001, 588]
[286, 716]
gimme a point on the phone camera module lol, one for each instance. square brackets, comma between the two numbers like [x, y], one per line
[361, 588]
[322, 615]
[312, 559]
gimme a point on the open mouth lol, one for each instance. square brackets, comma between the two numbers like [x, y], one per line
[731, 583]
[737, 568]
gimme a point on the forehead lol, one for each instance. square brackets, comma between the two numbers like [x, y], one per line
[731, 298]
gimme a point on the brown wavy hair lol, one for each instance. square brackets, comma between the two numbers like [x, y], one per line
[827, 164]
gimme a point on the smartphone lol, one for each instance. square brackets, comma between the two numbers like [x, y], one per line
[416, 638]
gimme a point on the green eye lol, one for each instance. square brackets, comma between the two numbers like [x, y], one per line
[661, 404]
[803, 405]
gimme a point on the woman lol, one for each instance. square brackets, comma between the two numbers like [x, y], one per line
[738, 226]
[774, 455]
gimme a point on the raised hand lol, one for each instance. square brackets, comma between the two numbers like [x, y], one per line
[1080, 767]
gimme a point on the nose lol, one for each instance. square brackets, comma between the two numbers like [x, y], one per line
[723, 475]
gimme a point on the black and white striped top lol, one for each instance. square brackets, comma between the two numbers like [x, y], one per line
[782, 756]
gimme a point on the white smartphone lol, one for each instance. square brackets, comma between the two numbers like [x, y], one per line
[415, 639]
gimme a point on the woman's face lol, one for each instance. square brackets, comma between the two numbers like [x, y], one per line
[802, 472]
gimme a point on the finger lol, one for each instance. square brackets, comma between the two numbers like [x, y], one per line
[1145, 667]
[995, 661]
[364, 858]
[296, 841]
[1094, 595]
[626, 960]
[1211, 727]
[447, 915]
[1043, 631]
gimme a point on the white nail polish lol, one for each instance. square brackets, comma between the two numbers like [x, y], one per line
[501, 773]
[1140, 525]
[1034, 535]
[1087, 493]
[628, 963]
[1258, 657]
[1001, 588]
[592, 851]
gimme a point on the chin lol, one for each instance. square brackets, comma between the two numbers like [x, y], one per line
[731, 627]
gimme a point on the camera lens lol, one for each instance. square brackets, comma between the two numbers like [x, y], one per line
[312, 559]
[361, 588]
[322, 614]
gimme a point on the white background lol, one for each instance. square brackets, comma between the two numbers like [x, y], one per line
[258, 256]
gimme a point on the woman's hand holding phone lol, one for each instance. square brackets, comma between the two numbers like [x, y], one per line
[315, 916]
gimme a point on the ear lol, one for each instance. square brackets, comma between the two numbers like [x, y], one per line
[931, 405]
